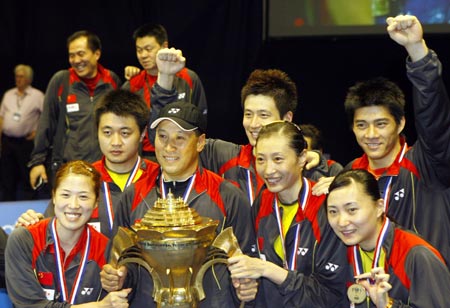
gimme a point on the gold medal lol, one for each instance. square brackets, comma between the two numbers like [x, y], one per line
[356, 293]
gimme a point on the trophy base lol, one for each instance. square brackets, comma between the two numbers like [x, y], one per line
[176, 298]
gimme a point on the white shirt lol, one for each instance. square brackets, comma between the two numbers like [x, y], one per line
[21, 113]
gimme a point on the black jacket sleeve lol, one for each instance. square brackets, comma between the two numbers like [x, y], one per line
[48, 121]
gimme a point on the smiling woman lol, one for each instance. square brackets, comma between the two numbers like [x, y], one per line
[395, 267]
[75, 196]
[291, 227]
[58, 260]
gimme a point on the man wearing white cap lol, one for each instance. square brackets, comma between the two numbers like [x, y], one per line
[180, 137]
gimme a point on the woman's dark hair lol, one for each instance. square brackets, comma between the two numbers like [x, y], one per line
[287, 129]
[361, 176]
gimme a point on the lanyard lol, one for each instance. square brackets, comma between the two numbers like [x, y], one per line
[294, 254]
[19, 100]
[187, 191]
[107, 192]
[19, 105]
[357, 266]
[60, 266]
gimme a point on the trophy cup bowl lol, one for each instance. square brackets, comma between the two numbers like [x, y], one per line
[172, 242]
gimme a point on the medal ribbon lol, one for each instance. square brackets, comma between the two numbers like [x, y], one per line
[386, 196]
[108, 203]
[357, 267]
[60, 266]
[133, 172]
[387, 189]
[107, 192]
[250, 187]
[186, 193]
[293, 264]
[403, 152]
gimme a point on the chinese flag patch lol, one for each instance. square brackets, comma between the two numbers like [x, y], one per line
[45, 278]
[71, 98]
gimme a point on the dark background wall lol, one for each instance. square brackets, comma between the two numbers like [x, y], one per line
[223, 42]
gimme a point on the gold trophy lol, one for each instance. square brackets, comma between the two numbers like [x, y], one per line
[174, 244]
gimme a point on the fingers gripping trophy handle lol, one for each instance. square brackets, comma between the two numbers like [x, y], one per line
[124, 251]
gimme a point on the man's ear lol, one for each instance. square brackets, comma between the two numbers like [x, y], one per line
[401, 125]
[201, 142]
[97, 54]
[288, 116]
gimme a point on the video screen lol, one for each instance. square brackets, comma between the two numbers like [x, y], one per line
[287, 18]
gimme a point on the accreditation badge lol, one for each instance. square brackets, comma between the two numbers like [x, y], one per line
[49, 294]
[73, 107]
[356, 293]
[16, 116]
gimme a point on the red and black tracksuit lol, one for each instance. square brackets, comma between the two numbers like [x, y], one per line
[417, 272]
[418, 182]
[211, 196]
[318, 279]
[67, 129]
[31, 268]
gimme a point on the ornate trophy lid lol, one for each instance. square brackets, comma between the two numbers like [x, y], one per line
[171, 212]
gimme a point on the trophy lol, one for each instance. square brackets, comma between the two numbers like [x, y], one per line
[174, 243]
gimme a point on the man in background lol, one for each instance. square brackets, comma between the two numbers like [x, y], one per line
[313, 137]
[149, 39]
[121, 118]
[67, 129]
[19, 115]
